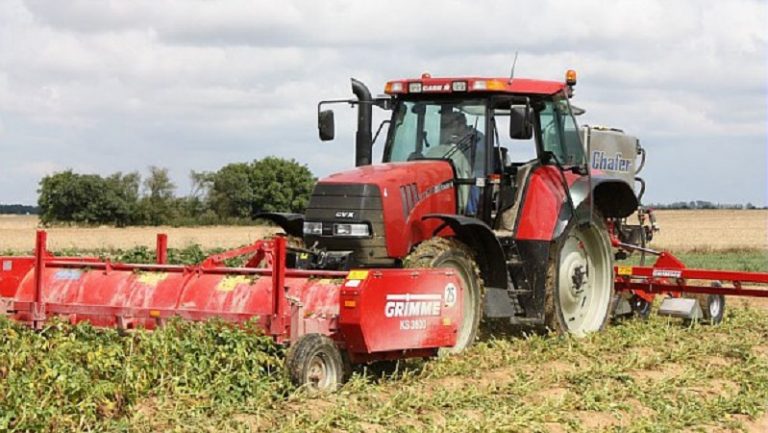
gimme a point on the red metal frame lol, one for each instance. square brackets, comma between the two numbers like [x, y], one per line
[670, 276]
[37, 309]
[285, 303]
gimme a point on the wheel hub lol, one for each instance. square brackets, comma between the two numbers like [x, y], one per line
[317, 372]
[578, 277]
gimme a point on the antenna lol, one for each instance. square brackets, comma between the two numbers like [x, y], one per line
[512, 72]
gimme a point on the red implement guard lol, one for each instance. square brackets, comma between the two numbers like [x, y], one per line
[367, 315]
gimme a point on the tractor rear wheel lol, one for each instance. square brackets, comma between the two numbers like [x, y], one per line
[449, 253]
[315, 361]
[579, 279]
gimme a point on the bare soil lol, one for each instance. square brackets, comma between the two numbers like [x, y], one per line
[711, 229]
[680, 230]
[17, 233]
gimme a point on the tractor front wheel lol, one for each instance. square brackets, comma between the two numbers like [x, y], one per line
[449, 253]
[579, 279]
[315, 361]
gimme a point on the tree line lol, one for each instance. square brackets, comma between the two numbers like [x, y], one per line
[18, 209]
[236, 193]
[701, 204]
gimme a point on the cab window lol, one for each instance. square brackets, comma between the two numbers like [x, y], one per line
[560, 134]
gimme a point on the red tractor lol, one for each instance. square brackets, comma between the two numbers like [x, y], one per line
[488, 176]
[489, 202]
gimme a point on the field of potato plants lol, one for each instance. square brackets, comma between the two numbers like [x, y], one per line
[657, 375]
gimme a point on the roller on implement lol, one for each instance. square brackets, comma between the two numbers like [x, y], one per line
[490, 202]
[331, 319]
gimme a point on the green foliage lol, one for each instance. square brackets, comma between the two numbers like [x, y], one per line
[88, 198]
[268, 185]
[231, 195]
[657, 375]
[158, 205]
[646, 376]
[68, 378]
[231, 192]
[280, 185]
[751, 260]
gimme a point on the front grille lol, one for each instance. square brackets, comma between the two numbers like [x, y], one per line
[349, 203]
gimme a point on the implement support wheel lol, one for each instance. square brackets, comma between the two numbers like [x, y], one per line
[579, 279]
[315, 361]
[449, 253]
[712, 306]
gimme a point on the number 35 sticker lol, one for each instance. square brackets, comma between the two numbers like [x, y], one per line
[450, 295]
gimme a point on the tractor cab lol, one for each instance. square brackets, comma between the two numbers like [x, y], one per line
[488, 129]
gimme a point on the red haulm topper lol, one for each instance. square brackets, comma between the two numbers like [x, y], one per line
[364, 315]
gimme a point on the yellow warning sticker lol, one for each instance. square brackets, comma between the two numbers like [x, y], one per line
[151, 278]
[357, 275]
[228, 283]
[624, 270]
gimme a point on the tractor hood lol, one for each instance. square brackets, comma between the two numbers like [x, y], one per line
[391, 198]
[394, 174]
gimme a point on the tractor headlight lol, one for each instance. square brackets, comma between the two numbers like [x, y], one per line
[344, 229]
[311, 228]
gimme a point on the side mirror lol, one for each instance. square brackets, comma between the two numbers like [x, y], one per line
[520, 126]
[325, 125]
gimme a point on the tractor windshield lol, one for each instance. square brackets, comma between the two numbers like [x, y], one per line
[443, 129]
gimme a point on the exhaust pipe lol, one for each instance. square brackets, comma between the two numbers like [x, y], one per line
[363, 140]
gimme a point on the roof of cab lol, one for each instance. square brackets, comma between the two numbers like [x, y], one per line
[442, 85]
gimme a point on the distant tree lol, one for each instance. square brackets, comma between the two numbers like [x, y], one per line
[236, 191]
[88, 198]
[18, 209]
[280, 185]
[231, 192]
[242, 190]
[158, 205]
[122, 197]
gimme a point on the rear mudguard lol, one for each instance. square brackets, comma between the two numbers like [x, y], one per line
[614, 198]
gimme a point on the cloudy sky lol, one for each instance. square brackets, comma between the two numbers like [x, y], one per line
[105, 86]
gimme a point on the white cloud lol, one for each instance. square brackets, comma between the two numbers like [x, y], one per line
[115, 85]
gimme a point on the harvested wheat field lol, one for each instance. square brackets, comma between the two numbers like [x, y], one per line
[17, 233]
[680, 230]
[712, 229]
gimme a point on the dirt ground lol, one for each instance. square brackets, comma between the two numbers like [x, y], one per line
[711, 229]
[680, 230]
[17, 233]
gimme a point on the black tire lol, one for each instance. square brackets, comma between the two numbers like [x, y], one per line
[315, 361]
[450, 253]
[575, 301]
[712, 306]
